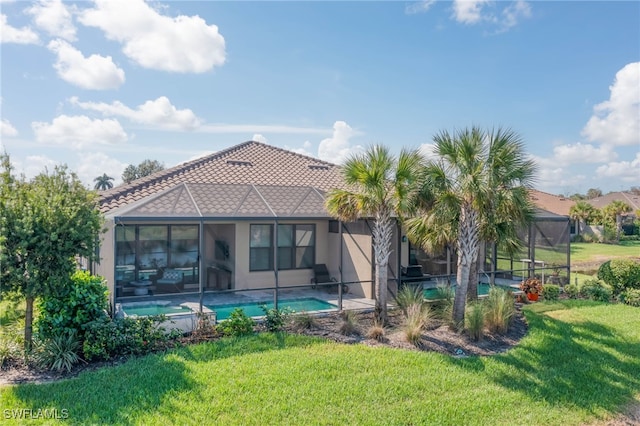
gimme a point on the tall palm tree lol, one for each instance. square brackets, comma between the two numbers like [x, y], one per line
[103, 182]
[616, 209]
[379, 186]
[581, 212]
[478, 190]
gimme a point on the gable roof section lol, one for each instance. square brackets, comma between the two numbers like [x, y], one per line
[220, 201]
[630, 198]
[249, 163]
[552, 203]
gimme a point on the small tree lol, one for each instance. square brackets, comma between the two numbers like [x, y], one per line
[45, 225]
[146, 168]
[594, 193]
[613, 214]
[581, 212]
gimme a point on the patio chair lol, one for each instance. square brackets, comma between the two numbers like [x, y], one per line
[172, 281]
[321, 276]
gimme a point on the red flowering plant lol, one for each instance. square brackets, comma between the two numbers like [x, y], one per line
[531, 285]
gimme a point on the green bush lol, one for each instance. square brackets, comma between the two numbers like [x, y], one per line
[10, 344]
[58, 352]
[551, 292]
[500, 309]
[475, 319]
[409, 295]
[630, 296]
[620, 274]
[83, 301]
[572, 290]
[349, 324]
[275, 319]
[106, 338]
[238, 324]
[595, 290]
[304, 321]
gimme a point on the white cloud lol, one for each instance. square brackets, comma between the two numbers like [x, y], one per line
[95, 164]
[617, 121]
[181, 44]
[79, 131]
[583, 153]
[428, 151]
[304, 150]
[471, 12]
[9, 34]
[95, 72]
[6, 129]
[468, 11]
[261, 128]
[54, 18]
[337, 148]
[33, 165]
[419, 7]
[159, 113]
[259, 138]
[626, 171]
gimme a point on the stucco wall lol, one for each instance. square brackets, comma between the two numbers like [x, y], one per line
[105, 267]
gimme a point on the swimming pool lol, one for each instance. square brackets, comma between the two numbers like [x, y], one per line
[253, 309]
[155, 309]
[483, 290]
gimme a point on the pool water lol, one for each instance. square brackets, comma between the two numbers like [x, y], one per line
[483, 290]
[253, 309]
[155, 310]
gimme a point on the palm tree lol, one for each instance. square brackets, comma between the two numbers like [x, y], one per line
[581, 212]
[616, 209]
[477, 191]
[379, 186]
[103, 182]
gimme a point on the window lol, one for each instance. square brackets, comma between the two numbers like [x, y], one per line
[261, 248]
[296, 246]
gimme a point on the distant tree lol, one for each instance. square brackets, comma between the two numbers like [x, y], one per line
[44, 226]
[635, 190]
[581, 212]
[143, 169]
[613, 213]
[103, 182]
[594, 193]
[577, 197]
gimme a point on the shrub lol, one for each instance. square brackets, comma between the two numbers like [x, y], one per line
[620, 274]
[275, 319]
[572, 291]
[58, 352]
[409, 295]
[414, 323]
[349, 323]
[500, 309]
[474, 318]
[630, 296]
[595, 290]
[83, 301]
[444, 305]
[10, 346]
[106, 338]
[551, 292]
[304, 321]
[238, 324]
[376, 332]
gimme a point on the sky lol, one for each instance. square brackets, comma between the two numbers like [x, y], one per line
[98, 85]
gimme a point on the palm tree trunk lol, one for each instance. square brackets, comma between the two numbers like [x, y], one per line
[381, 233]
[618, 226]
[467, 254]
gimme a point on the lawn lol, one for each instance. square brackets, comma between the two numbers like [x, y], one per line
[588, 252]
[579, 363]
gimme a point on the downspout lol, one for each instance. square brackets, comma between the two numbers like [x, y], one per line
[340, 268]
[202, 269]
[275, 263]
[399, 258]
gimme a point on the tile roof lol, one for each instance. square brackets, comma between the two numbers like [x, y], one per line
[633, 200]
[553, 203]
[244, 164]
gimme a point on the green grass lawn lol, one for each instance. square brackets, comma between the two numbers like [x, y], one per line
[579, 362]
[585, 252]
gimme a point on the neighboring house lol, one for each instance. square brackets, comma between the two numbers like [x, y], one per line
[556, 204]
[633, 200]
[252, 217]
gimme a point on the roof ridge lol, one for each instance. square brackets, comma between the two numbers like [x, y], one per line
[553, 195]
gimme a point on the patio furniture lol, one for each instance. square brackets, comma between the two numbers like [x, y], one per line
[172, 281]
[141, 288]
[321, 276]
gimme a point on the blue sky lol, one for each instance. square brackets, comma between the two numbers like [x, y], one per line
[100, 85]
